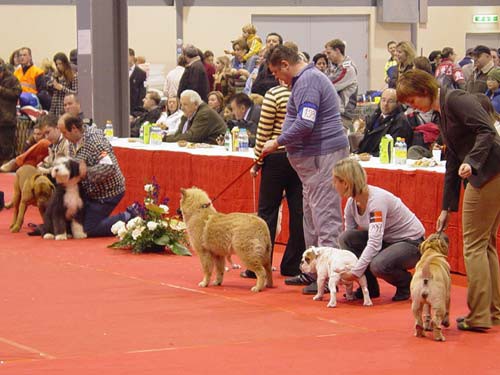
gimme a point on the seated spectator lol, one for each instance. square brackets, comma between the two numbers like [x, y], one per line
[64, 82]
[393, 61]
[45, 90]
[494, 56]
[448, 73]
[208, 57]
[379, 229]
[171, 85]
[171, 118]
[35, 136]
[488, 107]
[195, 76]
[390, 119]
[223, 77]
[320, 61]
[493, 92]
[152, 112]
[246, 115]
[216, 102]
[200, 123]
[14, 60]
[73, 59]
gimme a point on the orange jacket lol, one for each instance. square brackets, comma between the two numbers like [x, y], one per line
[27, 80]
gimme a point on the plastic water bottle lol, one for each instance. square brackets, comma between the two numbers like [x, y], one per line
[397, 151]
[403, 152]
[243, 140]
[236, 132]
[155, 136]
[108, 130]
[228, 141]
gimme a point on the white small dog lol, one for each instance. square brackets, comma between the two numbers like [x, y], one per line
[329, 262]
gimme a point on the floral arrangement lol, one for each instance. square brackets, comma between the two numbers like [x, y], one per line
[153, 229]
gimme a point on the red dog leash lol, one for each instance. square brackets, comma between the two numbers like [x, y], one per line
[234, 181]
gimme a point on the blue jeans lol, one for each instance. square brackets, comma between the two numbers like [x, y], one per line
[97, 222]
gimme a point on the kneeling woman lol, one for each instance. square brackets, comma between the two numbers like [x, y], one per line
[382, 232]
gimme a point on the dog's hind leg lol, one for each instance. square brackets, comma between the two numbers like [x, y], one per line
[260, 272]
[219, 269]
[269, 274]
[77, 230]
[332, 284]
[446, 319]
[416, 308]
[366, 294]
[427, 317]
[207, 265]
[437, 318]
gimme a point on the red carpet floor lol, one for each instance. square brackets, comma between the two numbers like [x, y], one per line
[77, 307]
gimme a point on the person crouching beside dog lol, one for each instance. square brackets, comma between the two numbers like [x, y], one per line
[389, 234]
[102, 182]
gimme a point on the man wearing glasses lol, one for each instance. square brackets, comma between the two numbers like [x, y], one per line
[389, 118]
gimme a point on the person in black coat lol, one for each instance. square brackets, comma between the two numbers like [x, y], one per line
[137, 77]
[151, 112]
[195, 76]
[10, 89]
[390, 119]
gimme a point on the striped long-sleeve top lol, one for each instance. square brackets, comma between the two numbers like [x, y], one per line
[272, 116]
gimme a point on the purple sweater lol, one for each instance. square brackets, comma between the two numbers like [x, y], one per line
[312, 124]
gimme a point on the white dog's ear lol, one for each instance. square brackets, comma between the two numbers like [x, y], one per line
[183, 192]
[316, 251]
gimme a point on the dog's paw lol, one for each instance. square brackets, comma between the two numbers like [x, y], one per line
[61, 237]
[235, 266]
[439, 337]
[203, 284]
[368, 303]
[419, 331]
[48, 236]
[79, 236]
[317, 297]
[217, 282]
[15, 229]
[255, 289]
[332, 304]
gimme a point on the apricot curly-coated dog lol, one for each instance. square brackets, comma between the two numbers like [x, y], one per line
[214, 236]
[31, 187]
[431, 286]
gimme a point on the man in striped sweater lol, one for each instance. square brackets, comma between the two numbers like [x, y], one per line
[278, 176]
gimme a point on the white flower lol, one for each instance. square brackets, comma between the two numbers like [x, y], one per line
[148, 188]
[117, 227]
[164, 207]
[152, 225]
[122, 233]
[137, 232]
[136, 221]
[177, 225]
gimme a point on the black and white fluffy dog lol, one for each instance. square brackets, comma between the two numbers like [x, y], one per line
[66, 205]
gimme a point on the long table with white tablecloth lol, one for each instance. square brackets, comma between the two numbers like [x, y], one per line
[213, 168]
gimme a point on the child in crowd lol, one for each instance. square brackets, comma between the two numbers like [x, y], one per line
[253, 41]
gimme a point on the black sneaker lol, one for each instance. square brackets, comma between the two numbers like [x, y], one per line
[300, 279]
[313, 288]
[402, 294]
[359, 294]
[247, 274]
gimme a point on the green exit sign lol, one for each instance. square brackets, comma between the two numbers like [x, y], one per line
[485, 18]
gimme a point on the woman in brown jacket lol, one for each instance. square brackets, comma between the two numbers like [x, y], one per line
[472, 155]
